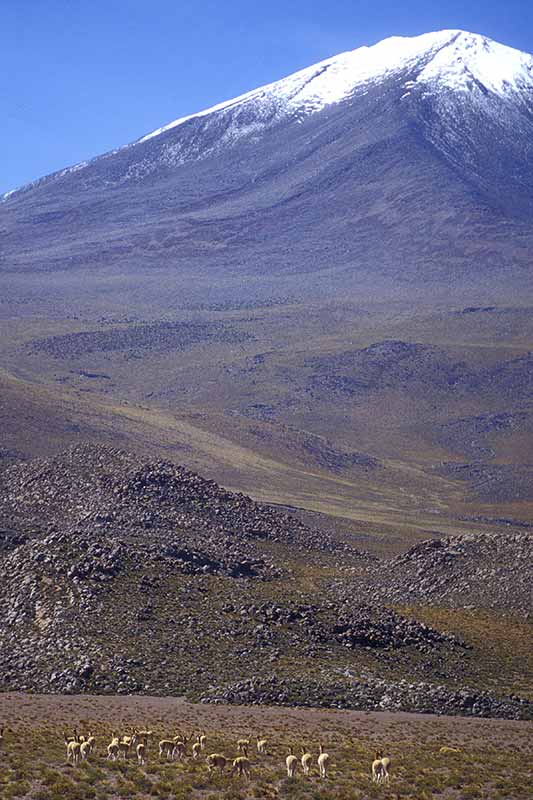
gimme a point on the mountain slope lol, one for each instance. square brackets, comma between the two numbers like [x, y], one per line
[408, 161]
[330, 268]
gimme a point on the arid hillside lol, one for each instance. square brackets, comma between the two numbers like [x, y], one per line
[125, 575]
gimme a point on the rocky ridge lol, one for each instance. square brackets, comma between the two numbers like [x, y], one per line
[487, 570]
[371, 694]
[96, 487]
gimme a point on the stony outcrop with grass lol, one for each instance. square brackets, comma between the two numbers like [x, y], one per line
[370, 693]
[126, 576]
[489, 570]
[96, 488]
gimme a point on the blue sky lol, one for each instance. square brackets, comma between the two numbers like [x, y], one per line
[80, 78]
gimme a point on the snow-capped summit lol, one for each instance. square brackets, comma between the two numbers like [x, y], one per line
[454, 59]
[443, 65]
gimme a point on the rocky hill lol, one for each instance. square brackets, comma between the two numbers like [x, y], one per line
[122, 575]
[491, 571]
[95, 488]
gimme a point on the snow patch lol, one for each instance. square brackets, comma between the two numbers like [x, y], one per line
[332, 80]
[471, 58]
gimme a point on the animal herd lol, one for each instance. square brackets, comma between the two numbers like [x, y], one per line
[80, 747]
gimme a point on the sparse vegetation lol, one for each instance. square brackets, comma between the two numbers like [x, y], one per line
[430, 757]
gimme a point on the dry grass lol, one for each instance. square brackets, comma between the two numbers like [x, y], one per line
[502, 656]
[50, 405]
[491, 763]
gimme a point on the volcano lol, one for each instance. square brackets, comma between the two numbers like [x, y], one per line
[402, 167]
